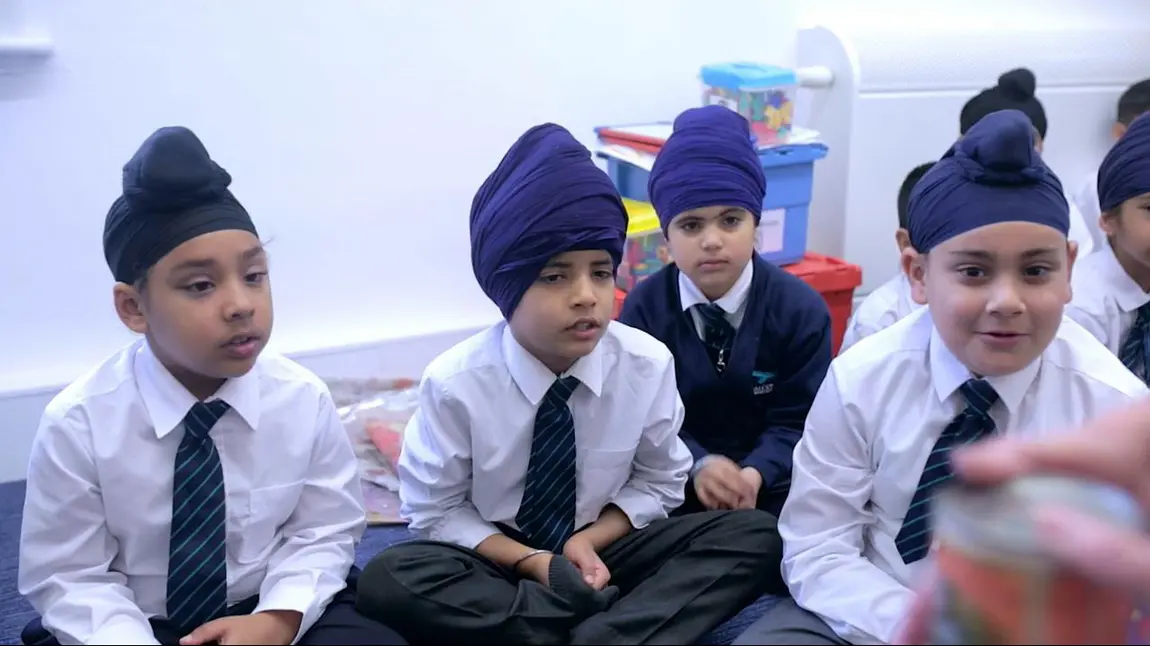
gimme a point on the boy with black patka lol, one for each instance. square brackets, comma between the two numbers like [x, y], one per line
[751, 341]
[1016, 90]
[192, 489]
[892, 300]
[544, 456]
[991, 353]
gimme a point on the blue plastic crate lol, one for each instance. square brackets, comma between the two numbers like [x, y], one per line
[789, 170]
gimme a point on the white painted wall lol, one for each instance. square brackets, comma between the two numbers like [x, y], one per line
[357, 132]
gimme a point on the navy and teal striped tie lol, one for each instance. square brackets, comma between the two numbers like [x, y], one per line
[197, 561]
[718, 334]
[971, 425]
[547, 513]
[1136, 345]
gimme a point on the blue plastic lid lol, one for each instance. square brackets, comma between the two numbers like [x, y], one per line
[791, 154]
[747, 76]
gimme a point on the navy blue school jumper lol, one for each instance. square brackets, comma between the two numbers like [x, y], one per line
[754, 412]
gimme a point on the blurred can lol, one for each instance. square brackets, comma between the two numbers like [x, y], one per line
[995, 586]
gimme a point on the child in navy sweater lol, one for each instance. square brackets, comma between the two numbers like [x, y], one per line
[751, 342]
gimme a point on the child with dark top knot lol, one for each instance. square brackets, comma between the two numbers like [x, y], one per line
[1016, 91]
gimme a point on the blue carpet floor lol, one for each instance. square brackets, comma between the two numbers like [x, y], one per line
[15, 612]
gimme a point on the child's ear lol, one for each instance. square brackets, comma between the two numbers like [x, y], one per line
[1108, 221]
[1117, 130]
[129, 308]
[902, 239]
[914, 266]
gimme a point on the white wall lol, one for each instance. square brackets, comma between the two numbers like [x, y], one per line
[902, 78]
[357, 132]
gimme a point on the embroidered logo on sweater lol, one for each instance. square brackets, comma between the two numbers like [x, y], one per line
[763, 382]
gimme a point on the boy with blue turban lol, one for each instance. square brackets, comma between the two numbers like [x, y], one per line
[751, 341]
[194, 488]
[1112, 287]
[990, 353]
[1132, 103]
[544, 458]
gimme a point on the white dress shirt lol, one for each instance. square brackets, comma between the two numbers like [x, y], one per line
[1106, 299]
[882, 308]
[465, 451]
[733, 303]
[98, 512]
[872, 426]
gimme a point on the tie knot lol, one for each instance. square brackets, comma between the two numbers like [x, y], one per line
[203, 416]
[562, 388]
[979, 395]
[712, 314]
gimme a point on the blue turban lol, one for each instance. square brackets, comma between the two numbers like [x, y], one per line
[545, 198]
[709, 160]
[1125, 173]
[172, 192]
[992, 174]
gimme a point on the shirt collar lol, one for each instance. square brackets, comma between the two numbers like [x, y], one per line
[690, 295]
[1127, 294]
[535, 379]
[948, 374]
[168, 402]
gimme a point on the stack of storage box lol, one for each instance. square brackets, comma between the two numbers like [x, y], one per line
[765, 96]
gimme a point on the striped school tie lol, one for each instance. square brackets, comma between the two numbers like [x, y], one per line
[197, 561]
[718, 334]
[971, 425]
[1136, 345]
[547, 514]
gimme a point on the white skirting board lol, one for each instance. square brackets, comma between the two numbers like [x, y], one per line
[406, 357]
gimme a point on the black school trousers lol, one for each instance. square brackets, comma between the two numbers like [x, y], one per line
[339, 624]
[678, 579]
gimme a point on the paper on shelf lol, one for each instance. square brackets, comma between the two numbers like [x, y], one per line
[643, 160]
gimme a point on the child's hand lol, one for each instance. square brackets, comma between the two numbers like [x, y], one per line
[754, 481]
[582, 554]
[1115, 449]
[720, 485]
[269, 627]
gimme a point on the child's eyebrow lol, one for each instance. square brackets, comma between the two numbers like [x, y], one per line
[973, 254]
[979, 254]
[195, 263]
[1039, 251]
[206, 263]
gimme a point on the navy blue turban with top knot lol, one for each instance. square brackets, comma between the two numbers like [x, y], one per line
[172, 192]
[545, 198]
[992, 174]
[709, 160]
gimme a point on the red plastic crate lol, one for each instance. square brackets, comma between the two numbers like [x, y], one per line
[835, 279]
